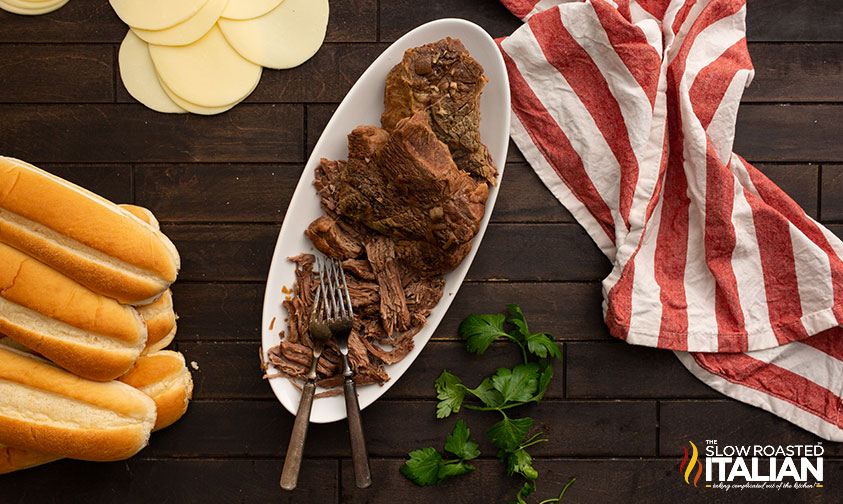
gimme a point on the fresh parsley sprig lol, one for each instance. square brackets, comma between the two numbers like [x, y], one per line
[428, 467]
[508, 388]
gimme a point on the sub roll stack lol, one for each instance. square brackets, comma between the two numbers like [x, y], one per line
[85, 313]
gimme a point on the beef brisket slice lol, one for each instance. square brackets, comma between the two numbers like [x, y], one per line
[412, 191]
[445, 82]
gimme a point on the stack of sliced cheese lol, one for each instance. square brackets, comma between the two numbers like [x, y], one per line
[85, 313]
[206, 56]
[31, 7]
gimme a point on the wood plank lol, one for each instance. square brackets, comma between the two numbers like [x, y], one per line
[598, 482]
[523, 197]
[397, 17]
[217, 193]
[789, 133]
[112, 182]
[609, 370]
[782, 21]
[118, 133]
[83, 21]
[317, 118]
[223, 252]
[140, 480]
[698, 421]
[510, 252]
[538, 252]
[569, 311]
[215, 311]
[795, 73]
[353, 21]
[798, 181]
[832, 188]
[262, 429]
[228, 370]
[56, 73]
[95, 21]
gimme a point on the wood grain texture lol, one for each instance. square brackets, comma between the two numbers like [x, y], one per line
[782, 21]
[832, 193]
[111, 133]
[185, 481]
[788, 133]
[56, 73]
[795, 73]
[216, 193]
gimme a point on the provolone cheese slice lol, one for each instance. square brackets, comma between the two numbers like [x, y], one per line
[248, 9]
[138, 74]
[32, 4]
[208, 73]
[155, 14]
[285, 37]
[189, 30]
[196, 109]
[36, 9]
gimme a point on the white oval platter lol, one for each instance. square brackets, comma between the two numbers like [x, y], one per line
[364, 105]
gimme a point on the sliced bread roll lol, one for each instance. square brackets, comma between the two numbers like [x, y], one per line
[164, 377]
[83, 235]
[160, 322]
[84, 332]
[46, 409]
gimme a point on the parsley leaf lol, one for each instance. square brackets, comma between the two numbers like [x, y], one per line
[520, 462]
[509, 433]
[460, 444]
[487, 393]
[450, 391]
[539, 344]
[428, 467]
[481, 330]
[423, 466]
[545, 375]
[518, 384]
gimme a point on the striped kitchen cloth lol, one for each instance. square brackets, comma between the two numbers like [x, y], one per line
[626, 110]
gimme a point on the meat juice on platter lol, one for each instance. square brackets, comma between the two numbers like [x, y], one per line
[400, 212]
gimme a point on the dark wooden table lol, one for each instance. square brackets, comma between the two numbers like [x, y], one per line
[617, 416]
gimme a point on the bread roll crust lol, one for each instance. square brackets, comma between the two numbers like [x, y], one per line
[86, 333]
[108, 421]
[160, 322]
[83, 235]
[164, 377]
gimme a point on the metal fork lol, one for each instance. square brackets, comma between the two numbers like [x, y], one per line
[319, 335]
[340, 322]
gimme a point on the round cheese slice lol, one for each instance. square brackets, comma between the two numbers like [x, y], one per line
[285, 37]
[208, 73]
[155, 14]
[248, 9]
[32, 8]
[196, 109]
[189, 30]
[32, 4]
[138, 74]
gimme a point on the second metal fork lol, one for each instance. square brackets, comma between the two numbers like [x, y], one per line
[340, 322]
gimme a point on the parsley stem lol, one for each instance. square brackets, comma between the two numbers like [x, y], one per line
[557, 499]
[523, 348]
[494, 408]
[537, 441]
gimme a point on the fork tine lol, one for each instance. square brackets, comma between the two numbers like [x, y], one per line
[347, 310]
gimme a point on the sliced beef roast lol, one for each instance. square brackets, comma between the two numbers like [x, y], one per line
[445, 82]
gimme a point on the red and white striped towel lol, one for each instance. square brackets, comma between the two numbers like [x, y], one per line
[627, 112]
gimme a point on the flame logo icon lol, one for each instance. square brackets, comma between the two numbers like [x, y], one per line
[687, 467]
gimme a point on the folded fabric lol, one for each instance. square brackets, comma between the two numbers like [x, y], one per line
[627, 112]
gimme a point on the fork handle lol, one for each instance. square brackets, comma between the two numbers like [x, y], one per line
[359, 456]
[292, 461]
